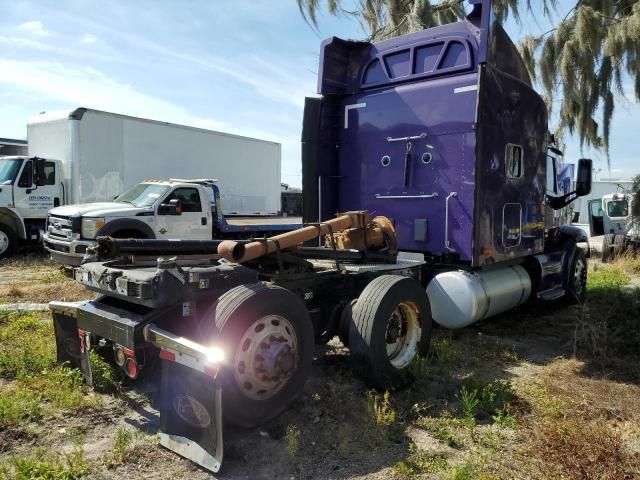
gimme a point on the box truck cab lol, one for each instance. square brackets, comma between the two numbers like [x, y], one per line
[29, 187]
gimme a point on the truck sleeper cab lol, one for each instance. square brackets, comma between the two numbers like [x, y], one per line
[441, 135]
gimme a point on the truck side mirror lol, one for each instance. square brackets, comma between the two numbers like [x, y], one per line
[583, 186]
[583, 182]
[174, 207]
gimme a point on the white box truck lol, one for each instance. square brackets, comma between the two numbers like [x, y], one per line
[91, 156]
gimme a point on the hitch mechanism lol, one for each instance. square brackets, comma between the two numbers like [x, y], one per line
[352, 230]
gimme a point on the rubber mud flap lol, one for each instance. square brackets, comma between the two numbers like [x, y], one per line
[69, 346]
[191, 415]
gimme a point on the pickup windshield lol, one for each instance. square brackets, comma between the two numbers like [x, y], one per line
[9, 168]
[143, 194]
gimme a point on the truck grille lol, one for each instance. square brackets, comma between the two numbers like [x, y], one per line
[62, 227]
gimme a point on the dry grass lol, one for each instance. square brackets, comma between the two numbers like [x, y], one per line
[579, 428]
[36, 279]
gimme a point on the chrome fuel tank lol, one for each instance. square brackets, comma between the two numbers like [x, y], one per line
[461, 298]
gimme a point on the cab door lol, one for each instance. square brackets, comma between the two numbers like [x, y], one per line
[38, 188]
[193, 223]
[596, 217]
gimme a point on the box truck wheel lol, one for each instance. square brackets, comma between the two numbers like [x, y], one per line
[577, 285]
[8, 241]
[267, 336]
[391, 326]
[607, 247]
[618, 245]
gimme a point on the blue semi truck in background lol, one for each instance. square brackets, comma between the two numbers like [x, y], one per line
[441, 136]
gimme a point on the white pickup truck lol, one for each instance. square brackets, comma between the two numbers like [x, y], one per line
[154, 209]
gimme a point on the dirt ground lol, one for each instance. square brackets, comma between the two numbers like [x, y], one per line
[511, 397]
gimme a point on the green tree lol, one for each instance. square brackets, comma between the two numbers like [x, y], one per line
[580, 63]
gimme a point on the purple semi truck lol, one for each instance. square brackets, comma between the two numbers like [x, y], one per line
[441, 136]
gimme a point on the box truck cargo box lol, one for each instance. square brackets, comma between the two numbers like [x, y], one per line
[104, 154]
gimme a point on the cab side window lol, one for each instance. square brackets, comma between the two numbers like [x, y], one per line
[49, 173]
[45, 173]
[513, 163]
[26, 178]
[189, 198]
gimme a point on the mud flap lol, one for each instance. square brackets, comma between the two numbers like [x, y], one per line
[191, 415]
[72, 345]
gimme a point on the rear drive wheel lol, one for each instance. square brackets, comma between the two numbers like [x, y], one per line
[8, 241]
[577, 284]
[391, 326]
[607, 247]
[267, 336]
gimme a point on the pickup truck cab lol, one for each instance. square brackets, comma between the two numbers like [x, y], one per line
[154, 209]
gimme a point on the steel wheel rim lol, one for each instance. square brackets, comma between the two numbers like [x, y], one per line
[579, 277]
[402, 334]
[4, 242]
[266, 357]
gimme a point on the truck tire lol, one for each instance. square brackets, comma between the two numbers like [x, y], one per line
[267, 337]
[8, 241]
[391, 325]
[607, 247]
[577, 283]
[618, 245]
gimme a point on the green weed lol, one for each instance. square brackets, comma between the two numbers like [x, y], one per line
[106, 377]
[27, 345]
[419, 462]
[43, 466]
[292, 439]
[380, 410]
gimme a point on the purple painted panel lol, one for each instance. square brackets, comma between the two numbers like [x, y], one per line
[373, 164]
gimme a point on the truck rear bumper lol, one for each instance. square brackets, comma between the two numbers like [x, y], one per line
[64, 252]
[190, 397]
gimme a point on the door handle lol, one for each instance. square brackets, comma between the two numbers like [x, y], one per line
[396, 197]
[203, 220]
[447, 244]
[407, 139]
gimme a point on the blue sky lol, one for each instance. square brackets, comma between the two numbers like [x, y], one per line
[233, 66]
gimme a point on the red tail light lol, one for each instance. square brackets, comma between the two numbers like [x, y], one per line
[131, 367]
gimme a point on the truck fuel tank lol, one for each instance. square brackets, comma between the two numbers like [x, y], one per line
[460, 298]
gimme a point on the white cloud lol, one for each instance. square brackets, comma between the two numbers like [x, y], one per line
[34, 27]
[89, 38]
[88, 87]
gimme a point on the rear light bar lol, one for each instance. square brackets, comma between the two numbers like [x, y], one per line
[173, 348]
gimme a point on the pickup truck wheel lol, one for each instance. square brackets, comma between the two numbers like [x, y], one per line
[391, 325]
[8, 241]
[577, 286]
[267, 337]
